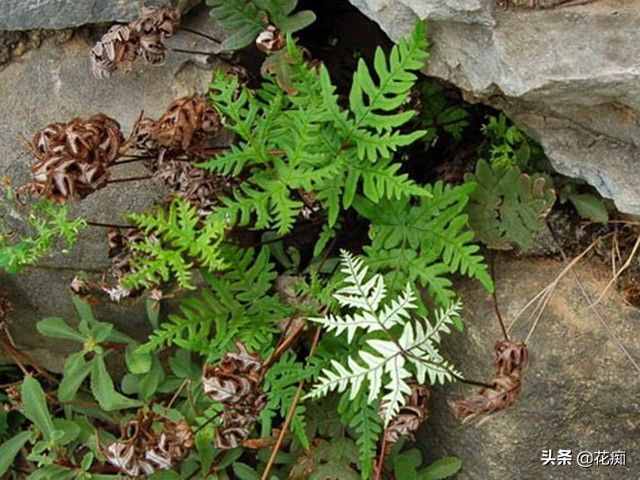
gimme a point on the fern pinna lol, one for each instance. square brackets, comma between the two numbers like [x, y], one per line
[303, 144]
[394, 348]
[424, 242]
[236, 306]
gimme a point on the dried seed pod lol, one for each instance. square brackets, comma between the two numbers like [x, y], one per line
[270, 40]
[117, 49]
[511, 359]
[142, 450]
[145, 37]
[410, 417]
[73, 159]
[188, 122]
[235, 382]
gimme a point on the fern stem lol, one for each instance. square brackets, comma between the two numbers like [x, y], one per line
[193, 52]
[475, 383]
[201, 34]
[290, 414]
[495, 298]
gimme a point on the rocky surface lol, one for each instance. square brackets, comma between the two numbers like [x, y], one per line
[580, 391]
[54, 83]
[53, 14]
[568, 75]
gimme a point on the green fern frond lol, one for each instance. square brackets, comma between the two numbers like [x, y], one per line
[280, 385]
[425, 241]
[384, 364]
[174, 241]
[236, 305]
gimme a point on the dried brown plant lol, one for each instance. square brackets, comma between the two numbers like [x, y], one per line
[236, 383]
[143, 449]
[73, 159]
[511, 359]
[410, 417]
[145, 37]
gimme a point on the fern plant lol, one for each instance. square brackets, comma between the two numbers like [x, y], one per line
[46, 225]
[175, 241]
[245, 20]
[508, 207]
[426, 242]
[235, 306]
[395, 348]
[297, 146]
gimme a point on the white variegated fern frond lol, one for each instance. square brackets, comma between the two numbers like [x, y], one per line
[384, 365]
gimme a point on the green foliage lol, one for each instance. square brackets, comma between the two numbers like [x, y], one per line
[235, 306]
[508, 146]
[361, 416]
[439, 115]
[508, 207]
[45, 226]
[280, 385]
[424, 243]
[244, 20]
[406, 465]
[90, 361]
[389, 362]
[586, 202]
[174, 241]
[307, 143]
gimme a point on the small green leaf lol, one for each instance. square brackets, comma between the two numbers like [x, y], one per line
[57, 328]
[87, 461]
[153, 312]
[138, 362]
[70, 430]
[297, 21]
[590, 206]
[84, 309]
[76, 369]
[150, 381]
[245, 472]
[10, 449]
[35, 407]
[443, 468]
[406, 464]
[103, 390]
[203, 441]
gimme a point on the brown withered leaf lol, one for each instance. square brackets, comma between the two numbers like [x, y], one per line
[73, 159]
[270, 40]
[143, 449]
[117, 49]
[510, 358]
[236, 383]
[122, 45]
[409, 418]
[187, 124]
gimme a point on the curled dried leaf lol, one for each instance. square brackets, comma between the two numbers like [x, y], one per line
[73, 159]
[270, 40]
[144, 450]
[410, 417]
[511, 358]
[236, 383]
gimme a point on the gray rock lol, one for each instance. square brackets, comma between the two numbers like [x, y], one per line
[54, 83]
[580, 391]
[568, 75]
[54, 14]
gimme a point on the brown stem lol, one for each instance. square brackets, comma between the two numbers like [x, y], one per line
[193, 52]
[283, 346]
[380, 463]
[201, 34]
[475, 383]
[130, 179]
[290, 413]
[495, 299]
